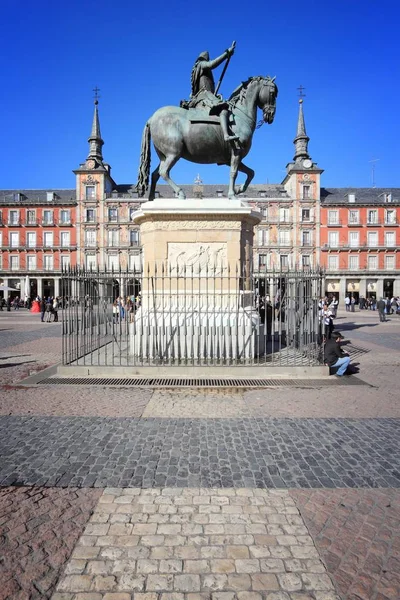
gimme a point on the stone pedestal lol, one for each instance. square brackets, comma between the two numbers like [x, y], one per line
[196, 299]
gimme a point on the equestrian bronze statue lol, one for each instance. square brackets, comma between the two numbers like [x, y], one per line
[207, 129]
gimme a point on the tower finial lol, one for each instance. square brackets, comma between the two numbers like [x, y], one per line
[301, 140]
[96, 94]
[95, 141]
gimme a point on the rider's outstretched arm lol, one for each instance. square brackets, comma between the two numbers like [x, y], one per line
[212, 64]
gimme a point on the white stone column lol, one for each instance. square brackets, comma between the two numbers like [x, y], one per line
[40, 287]
[379, 288]
[363, 287]
[56, 286]
[342, 290]
[6, 292]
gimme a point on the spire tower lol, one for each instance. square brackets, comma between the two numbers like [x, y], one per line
[95, 141]
[301, 140]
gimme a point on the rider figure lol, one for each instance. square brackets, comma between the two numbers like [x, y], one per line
[203, 89]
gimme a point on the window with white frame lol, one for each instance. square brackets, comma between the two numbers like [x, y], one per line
[284, 215]
[90, 192]
[65, 239]
[306, 191]
[333, 217]
[1, 239]
[372, 262]
[48, 217]
[48, 239]
[131, 213]
[333, 239]
[14, 239]
[390, 217]
[31, 239]
[113, 215]
[284, 238]
[305, 215]
[90, 238]
[263, 237]
[372, 239]
[306, 238]
[262, 261]
[31, 262]
[333, 262]
[65, 217]
[113, 262]
[90, 215]
[134, 237]
[390, 263]
[90, 261]
[354, 262]
[13, 217]
[264, 212]
[354, 217]
[372, 217]
[284, 261]
[31, 217]
[14, 262]
[390, 239]
[354, 239]
[65, 261]
[48, 262]
[1, 262]
[113, 238]
[306, 260]
[135, 263]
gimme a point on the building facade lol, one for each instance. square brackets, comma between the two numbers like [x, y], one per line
[351, 233]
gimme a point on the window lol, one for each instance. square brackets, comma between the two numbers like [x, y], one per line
[284, 238]
[284, 261]
[47, 217]
[372, 217]
[354, 262]
[90, 216]
[14, 263]
[263, 237]
[390, 217]
[1, 262]
[113, 215]
[65, 239]
[113, 262]
[65, 261]
[390, 239]
[1, 239]
[390, 262]
[31, 217]
[48, 239]
[372, 238]
[333, 262]
[48, 262]
[13, 217]
[354, 239]
[135, 263]
[284, 215]
[264, 212]
[131, 213]
[65, 217]
[134, 237]
[31, 262]
[333, 217]
[262, 261]
[90, 237]
[306, 191]
[333, 239]
[372, 262]
[90, 261]
[90, 193]
[220, 193]
[14, 240]
[306, 238]
[354, 217]
[113, 238]
[1, 217]
[31, 239]
[305, 215]
[305, 261]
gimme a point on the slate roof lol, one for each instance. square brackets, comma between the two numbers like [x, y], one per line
[37, 197]
[211, 191]
[363, 196]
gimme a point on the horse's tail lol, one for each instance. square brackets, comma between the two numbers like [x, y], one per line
[145, 157]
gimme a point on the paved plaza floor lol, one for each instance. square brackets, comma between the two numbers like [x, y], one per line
[229, 494]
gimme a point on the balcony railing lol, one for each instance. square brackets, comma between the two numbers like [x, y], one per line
[358, 247]
[14, 222]
[49, 222]
[32, 222]
[334, 223]
[373, 223]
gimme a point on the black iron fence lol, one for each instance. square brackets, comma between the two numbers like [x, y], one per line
[177, 316]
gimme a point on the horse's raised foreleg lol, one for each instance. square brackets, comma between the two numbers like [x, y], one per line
[155, 176]
[235, 161]
[250, 174]
[164, 169]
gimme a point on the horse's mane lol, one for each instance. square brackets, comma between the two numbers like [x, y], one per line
[239, 93]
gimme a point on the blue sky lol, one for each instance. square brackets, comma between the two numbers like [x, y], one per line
[344, 52]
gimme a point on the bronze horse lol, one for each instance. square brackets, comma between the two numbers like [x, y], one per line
[194, 135]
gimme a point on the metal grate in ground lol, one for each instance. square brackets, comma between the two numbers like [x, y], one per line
[204, 382]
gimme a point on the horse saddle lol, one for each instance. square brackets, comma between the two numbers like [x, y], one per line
[203, 117]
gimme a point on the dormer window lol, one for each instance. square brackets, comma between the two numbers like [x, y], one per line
[352, 197]
[263, 193]
[220, 193]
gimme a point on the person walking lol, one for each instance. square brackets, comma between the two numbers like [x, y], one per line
[42, 305]
[335, 358]
[347, 302]
[55, 309]
[381, 305]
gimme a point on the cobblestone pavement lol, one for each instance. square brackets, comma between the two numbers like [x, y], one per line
[244, 544]
[38, 531]
[83, 438]
[357, 533]
[209, 453]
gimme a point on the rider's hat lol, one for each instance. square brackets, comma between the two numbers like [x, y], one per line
[203, 56]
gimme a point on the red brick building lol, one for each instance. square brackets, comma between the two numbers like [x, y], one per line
[37, 240]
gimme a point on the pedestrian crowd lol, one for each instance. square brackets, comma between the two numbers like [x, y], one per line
[125, 307]
[49, 308]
